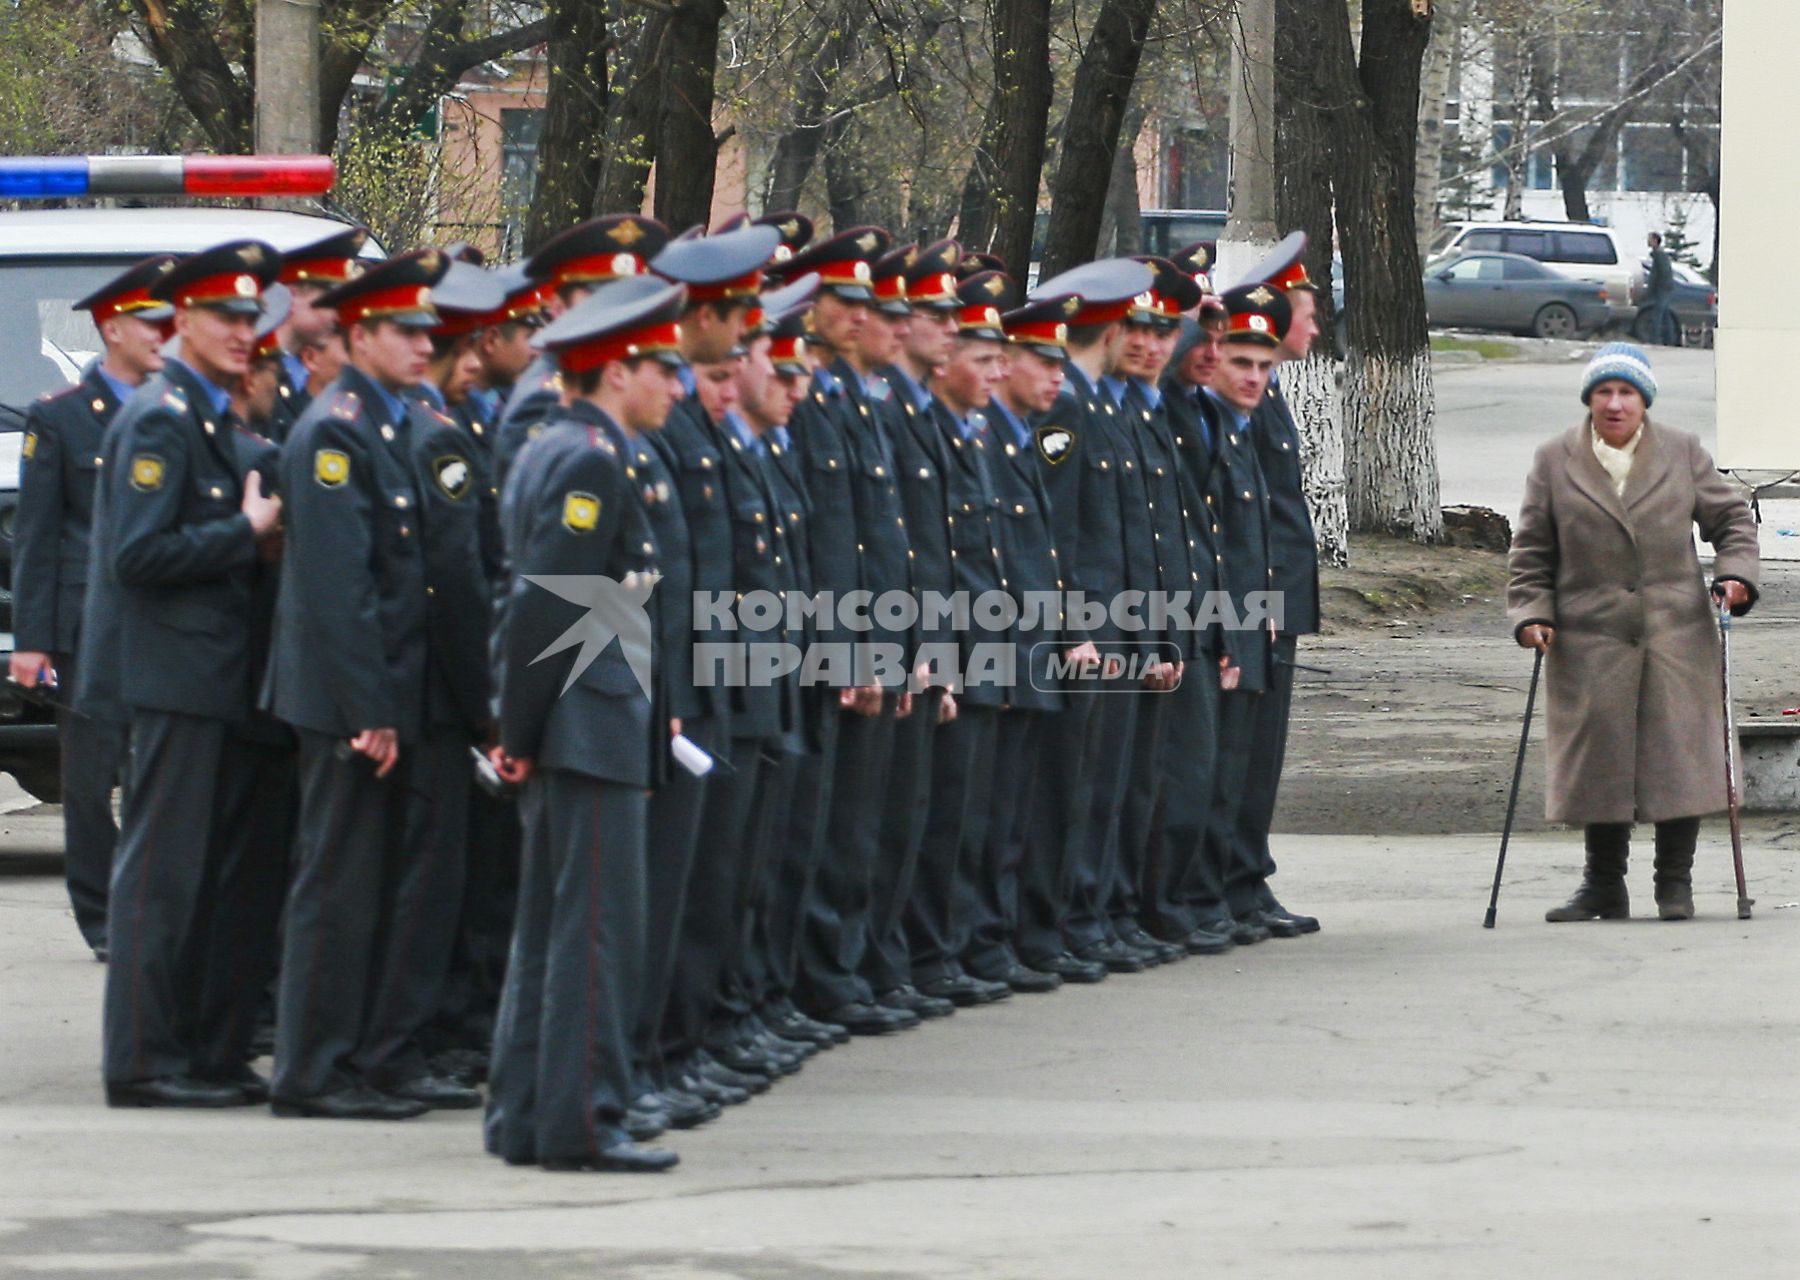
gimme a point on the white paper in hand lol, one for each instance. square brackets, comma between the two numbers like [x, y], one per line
[690, 756]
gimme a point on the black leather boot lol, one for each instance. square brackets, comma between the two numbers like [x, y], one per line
[1602, 895]
[1675, 842]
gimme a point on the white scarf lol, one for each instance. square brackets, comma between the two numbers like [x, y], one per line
[1617, 462]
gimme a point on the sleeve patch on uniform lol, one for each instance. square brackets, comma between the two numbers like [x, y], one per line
[581, 512]
[29, 446]
[331, 467]
[146, 472]
[452, 473]
[1054, 443]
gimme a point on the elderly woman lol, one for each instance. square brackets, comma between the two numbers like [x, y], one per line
[1606, 583]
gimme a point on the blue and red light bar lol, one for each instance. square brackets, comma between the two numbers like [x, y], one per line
[61, 177]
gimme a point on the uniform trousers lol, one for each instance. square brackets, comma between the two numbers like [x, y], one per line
[1056, 829]
[93, 757]
[735, 992]
[938, 919]
[1107, 767]
[1176, 871]
[1137, 815]
[259, 804]
[371, 914]
[1250, 866]
[484, 932]
[561, 1073]
[906, 807]
[837, 920]
[800, 800]
[709, 930]
[674, 816]
[993, 882]
[1207, 897]
[170, 855]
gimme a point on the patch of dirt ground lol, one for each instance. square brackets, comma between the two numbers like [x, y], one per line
[1414, 730]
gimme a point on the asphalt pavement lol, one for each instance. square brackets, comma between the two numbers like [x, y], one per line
[1401, 1095]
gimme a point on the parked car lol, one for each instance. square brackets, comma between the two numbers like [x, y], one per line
[1579, 250]
[1696, 305]
[1512, 293]
[49, 258]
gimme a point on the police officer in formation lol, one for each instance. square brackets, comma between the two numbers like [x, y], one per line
[329, 561]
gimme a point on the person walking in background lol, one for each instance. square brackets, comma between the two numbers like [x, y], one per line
[1605, 581]
[1659, 293]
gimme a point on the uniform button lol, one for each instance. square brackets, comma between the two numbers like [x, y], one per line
[1019, 509]
[1246, 495]
[387, 433]
[1103, 464]
[759, 517]
[859, 547]
[400, 502]
[1215, 528]
[924, 473]
[1284, 446]
[99, 461]
[794, 516]
[431, 591]
[1232, 440]
[649, 548]
[707, 493]
[1128, 464]
[706, 463]
[967, 507]
[631, 473]
[216, 491]
[99, 406]
[208, 427]
[1053, 556]
[406, 531]
[901, 521]
[737, 444]
[643, 458]
[953, 553]
[831, 464]
[1220, 559]
[881, 471]
[1209, 499]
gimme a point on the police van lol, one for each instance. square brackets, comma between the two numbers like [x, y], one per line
[49, 258]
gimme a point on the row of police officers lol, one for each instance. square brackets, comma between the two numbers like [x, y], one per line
[398, 596]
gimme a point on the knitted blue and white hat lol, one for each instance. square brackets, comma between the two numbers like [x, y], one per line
[1623, 362]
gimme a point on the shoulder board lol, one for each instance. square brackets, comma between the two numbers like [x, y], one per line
[344, 405]
[880, 390]
[173, 399]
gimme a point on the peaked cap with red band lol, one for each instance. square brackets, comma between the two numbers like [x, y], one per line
[1256, 313]
[932, 278]
[326, 262]
[465, 299]
[727, 267]
[1172, 293]
[972, 262]
[599, 250]
[1105, 288]
[128, 294]
[980, 301]
[887, 281]
[228, 277]
[633, 319]
[1042, 325]
[397, 289]
[1284, 266]
[843, 262]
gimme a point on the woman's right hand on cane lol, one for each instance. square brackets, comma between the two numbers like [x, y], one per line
[1537, 636]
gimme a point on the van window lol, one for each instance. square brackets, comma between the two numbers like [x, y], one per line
[1533, 244]
[1490, 240]
[1442, 241]
[1584, 246]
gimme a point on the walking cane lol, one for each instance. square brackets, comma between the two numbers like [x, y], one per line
[1745, 901]
[1512, 801]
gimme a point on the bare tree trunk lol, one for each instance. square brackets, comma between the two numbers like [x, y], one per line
[1303, 195]
[797, 151]
[1103, 83]
[573, 144]
[1434, 90]
[1000, 196]
[846, 190]
[181, 37]
[686, 150]
[1122, 227]
[1391, 470]
[632, 136]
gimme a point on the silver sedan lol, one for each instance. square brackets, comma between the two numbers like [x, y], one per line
[1512, 293]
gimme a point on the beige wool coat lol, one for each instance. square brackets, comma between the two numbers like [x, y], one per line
[1633, 700]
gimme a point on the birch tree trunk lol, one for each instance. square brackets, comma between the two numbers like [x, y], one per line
[1434, 90]
[1311, 388]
